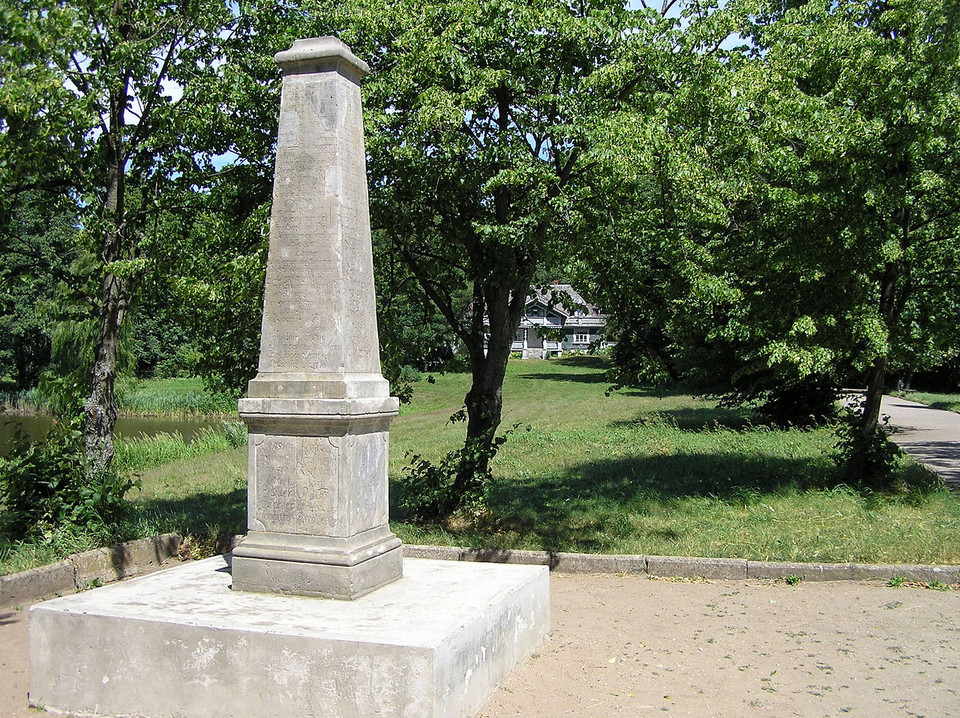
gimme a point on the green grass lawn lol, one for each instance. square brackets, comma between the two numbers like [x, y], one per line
[633, 472]
[949, 402]
[628, 473]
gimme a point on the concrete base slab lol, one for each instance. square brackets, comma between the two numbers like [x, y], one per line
[182, 643]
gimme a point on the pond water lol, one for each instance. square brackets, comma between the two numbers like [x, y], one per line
[36, 425]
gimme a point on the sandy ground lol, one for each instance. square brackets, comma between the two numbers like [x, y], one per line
[635, 646]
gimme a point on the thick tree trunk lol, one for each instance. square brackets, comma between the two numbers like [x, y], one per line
[503, 298]
[101, 408]
[100, 411]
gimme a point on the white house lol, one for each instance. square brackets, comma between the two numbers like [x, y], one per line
[558, 320]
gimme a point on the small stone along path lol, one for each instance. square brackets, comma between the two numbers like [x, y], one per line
[931, 436]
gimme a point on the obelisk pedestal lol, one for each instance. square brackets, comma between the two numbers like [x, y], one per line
[254, 639]
[319, 409]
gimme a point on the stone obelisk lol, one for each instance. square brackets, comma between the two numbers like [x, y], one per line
[434, 644]
[318, 410]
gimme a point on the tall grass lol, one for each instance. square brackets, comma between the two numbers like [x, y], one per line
[20, 400]
[172, 397]
[176, 397]
[144, 452]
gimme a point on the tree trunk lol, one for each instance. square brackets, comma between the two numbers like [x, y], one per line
[878, 371]
[858, 465]
[100, 411]
[874, 395]
[504, 297]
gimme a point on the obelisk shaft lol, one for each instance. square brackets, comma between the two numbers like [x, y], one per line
[319, 409]
[319, 321]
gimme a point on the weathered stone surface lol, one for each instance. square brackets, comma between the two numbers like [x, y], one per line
[437, 553]
[806, 571]
[696, 567]
[495, 555]
[319, 409]
[598, 563]
[319, 324]
[923, 574]
[180, 642]
[131, 558]
[36, 583]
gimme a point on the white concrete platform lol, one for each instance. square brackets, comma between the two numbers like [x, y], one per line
[181, 644]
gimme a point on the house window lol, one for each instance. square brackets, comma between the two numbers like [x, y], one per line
[520, 336]
[581, 338]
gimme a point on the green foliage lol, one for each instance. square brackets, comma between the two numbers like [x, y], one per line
[151, 451]
[219, 271]
[35, 245]
[117, 109]
[481, 120]
[868, 461]
[792, 579]
[896, 581]
[172, 397]
[457, 484]
[44, 487]
[786, 220]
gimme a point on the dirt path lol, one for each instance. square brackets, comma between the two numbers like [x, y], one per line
[635, 646]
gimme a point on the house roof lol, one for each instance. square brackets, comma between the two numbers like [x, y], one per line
[563, 299]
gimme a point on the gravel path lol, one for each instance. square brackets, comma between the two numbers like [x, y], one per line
[635, 646]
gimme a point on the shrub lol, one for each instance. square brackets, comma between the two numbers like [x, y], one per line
[868, 462]
[44, 486]
[430, 489]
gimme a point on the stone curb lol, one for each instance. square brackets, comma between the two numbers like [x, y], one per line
[88, 569]
[686, 567]
[106, 565]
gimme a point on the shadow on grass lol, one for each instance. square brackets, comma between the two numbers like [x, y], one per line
[205, 516]
[581, 378]
[696, 420]
[585, 361]
[597, 366]
[581, 509]
[591, 500]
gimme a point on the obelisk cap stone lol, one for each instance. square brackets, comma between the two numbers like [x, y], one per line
[318, 53]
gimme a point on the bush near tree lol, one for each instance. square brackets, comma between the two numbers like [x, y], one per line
[793, 223]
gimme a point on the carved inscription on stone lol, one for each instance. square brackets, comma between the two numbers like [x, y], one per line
[369, 500]
[326, 99]
[288, 134]
[304, 501]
